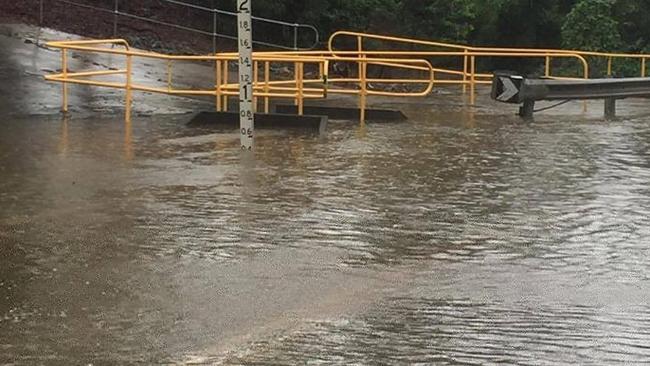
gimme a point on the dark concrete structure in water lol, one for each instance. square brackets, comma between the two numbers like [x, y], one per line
[345, 113]
[309, 123]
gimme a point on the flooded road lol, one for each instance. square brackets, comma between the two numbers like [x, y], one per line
[462, 236]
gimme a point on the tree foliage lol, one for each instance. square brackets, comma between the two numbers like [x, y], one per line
[585, 24]
[591, 26]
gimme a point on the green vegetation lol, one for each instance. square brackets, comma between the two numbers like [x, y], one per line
[612, 25]
[590, 26]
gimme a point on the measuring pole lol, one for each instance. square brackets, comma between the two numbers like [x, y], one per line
[245, 40]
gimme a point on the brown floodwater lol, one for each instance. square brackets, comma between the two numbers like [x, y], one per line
[462, 236]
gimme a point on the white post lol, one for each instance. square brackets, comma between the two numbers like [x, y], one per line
[245, 38]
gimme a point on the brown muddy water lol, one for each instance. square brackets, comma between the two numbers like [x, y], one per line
[460, 237]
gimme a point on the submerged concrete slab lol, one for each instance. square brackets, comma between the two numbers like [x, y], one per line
[345, 112]
[310, 123]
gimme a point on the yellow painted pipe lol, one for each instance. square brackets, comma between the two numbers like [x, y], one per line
[129, 72]
[267, 77]
[64, 70]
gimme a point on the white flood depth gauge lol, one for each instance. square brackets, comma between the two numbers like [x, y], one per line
[245, 40]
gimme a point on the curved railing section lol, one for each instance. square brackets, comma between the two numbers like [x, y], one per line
[549, 54]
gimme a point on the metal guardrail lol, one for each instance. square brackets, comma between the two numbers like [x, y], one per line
[116, 12]
[515, 89]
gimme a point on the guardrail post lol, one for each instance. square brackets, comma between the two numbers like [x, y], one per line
[64, 70]
[610, 108]
[547, 66]
[527, 110]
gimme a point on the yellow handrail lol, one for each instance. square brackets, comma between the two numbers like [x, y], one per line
[608, 55]
[473, 48]
[303, 85]
[299, 88]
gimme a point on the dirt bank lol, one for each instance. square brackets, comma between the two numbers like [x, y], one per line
[96, 23]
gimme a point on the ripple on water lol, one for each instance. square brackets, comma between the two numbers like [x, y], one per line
[407, 331]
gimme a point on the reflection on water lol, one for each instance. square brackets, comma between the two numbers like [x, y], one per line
[460, 237]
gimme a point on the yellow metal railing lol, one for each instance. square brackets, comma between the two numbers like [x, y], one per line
[311, 72]
[548, 54]
[299, 88]
[466, 52]
[470, 76]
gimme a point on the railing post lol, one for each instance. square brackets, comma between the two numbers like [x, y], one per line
[642, 67]
[362, 80]
[116, 13]
[217, 82]
[325, 76]
[255, 82]
[267, 77]
[295, 75]
[364, 89]
[472, 97]
[609, 67]
[547, 66]
[64, 70]
[465, 64]
[226, 74]
[129, 70]
[299, 79]
[169, 75]
[586, 77]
